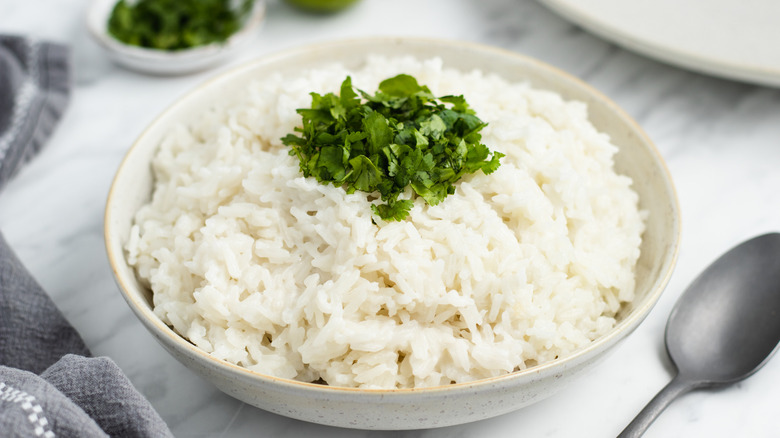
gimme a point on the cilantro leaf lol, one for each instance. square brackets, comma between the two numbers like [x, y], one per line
[377, 131]
[400, 86]
[433, 127]
[459, 104]
[365, 175]
[396, 211]
[333, 162]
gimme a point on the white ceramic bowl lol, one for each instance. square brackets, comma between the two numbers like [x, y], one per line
[406, 408]
[161, 62]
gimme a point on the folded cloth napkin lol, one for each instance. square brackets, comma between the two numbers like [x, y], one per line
[50, 385]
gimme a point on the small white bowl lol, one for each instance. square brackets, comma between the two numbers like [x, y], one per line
[420, 407]
[161, 62]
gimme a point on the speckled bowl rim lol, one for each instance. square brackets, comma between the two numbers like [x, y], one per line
[620, 330]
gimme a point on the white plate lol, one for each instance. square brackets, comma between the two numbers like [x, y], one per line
[726, 38]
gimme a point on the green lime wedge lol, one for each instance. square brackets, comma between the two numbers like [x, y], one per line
[322, 6]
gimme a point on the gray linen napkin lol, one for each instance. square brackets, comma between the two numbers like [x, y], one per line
[50, 386]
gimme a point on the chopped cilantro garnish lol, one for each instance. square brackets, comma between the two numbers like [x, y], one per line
[401, 136]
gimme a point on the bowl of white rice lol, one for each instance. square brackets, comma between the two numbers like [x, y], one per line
[292, 296]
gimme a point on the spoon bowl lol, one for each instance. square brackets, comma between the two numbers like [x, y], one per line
[727, 323]
[725, 326]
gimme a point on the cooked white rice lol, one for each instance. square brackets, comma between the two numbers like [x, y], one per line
[285, 276]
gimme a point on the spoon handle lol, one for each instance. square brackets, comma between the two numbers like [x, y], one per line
[642, 421]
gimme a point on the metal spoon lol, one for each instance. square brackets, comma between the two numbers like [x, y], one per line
[725, 326]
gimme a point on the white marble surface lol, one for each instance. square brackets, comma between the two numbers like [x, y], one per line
[721, 141]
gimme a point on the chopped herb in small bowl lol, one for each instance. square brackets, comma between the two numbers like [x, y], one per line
[400, 136]
[173, 36]
[176, 24]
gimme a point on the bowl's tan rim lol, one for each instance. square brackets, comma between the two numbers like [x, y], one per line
[101, 36]
[628, 324]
